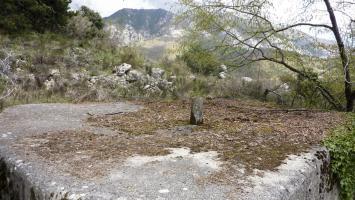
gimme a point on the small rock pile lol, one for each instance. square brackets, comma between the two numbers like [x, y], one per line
[152, 83]
[123, 76]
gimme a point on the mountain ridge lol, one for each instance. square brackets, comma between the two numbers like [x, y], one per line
[148, 23]
[129, 25]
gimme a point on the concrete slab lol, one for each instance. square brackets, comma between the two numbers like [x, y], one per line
[179, 174]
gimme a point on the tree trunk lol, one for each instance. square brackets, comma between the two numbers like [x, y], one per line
[344, 59]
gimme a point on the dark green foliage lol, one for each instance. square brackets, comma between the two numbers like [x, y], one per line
[85, 24]
[200, 61]
[93, 17]
[342, 150]
[304, 92]
[33, 15]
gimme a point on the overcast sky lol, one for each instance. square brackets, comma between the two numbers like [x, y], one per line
[108, 7]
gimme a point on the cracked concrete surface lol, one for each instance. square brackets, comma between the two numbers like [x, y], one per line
[178, 175]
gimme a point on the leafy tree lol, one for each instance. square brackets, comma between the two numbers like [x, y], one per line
[33, 15]
[93, 17]
[11, 18]
[80, 27]
[250, 34]
[85, 23]
[199, 60]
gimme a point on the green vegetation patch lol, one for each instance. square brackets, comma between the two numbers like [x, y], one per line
[33, 15]
[342, 150]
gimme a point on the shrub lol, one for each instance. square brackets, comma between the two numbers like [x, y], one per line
[175, 67]
[341, 145]
[79, 27]
[94, 17]
[200, 61]
[131, 56]
[303, 91]
[85, 24]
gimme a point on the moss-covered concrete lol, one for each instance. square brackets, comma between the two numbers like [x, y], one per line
[45, 156]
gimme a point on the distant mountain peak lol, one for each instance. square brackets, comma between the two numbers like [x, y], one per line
[147, 22]
[142, 9]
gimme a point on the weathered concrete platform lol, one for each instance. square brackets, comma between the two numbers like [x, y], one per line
[178, 175]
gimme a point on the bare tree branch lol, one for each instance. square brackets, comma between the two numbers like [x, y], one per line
[263, 41]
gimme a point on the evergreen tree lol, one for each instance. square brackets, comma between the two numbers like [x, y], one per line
[85, 23]
[93, 16]
[33, 15]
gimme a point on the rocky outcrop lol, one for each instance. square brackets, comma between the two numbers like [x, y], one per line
[124, 76]
[223, 72]
[134, 76]
[49, 84]
[246, 80]
[123, 35]
[107, 80]
[54, 73]
[122, 69]
[157, 73]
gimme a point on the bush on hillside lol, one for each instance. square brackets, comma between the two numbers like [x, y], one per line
[131, 56]
[94, 17]
[200, 61]
[85, 24]
[79, 27]
[341, 145]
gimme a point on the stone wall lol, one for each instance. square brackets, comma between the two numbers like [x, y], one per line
[304, 177]
[14, 185]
